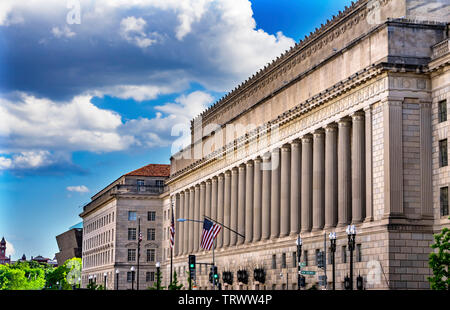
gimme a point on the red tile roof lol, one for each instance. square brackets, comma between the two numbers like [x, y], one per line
[152, 170]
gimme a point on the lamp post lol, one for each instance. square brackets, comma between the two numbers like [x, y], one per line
[95, 278]
[79, 282]
[298, 242]
[351, 232]
[333, 251]
[117, 279]
[90, 279]
[132, 277]
[105, 275]
[158, 284]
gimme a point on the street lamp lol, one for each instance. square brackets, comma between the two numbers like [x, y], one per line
[158, 284]
[333, 251]
[299, 243]
[105, 275]
[351, 232]
[132, 277]
[90, 279]
[117, 279]
[95, 278]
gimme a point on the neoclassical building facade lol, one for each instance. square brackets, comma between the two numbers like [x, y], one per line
[347, 127]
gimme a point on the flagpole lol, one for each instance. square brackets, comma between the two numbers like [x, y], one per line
[213, 265]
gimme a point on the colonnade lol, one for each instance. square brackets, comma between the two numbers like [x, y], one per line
[313, 183]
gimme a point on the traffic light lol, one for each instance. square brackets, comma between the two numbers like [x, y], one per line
[213, 276]
[320, 259]
[192, 267]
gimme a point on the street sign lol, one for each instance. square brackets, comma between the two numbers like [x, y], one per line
[311, 273]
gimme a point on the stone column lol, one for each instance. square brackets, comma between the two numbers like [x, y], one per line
[197, 217]
[214, 198]
[186, 224]
[220, 208]
[191, 216]
[257, 200]
[296, 176]
[344, 173]
[425, 160]
[266, 193]
[285, 190]
[331, 176]
[207, 199]
[358, 168]
[234, 204]
[318, 180]
[241, 204]
[227, 208]
[369, 173]
[178, 233]
[275, 195]
[393, 158]
[249, 174]
[306, 194]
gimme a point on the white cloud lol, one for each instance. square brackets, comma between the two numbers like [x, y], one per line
[9, 248]
[132, 30]
[63, 32]
[78, 189]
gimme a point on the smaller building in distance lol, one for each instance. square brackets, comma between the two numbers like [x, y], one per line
[122, 230]
[70, 243]
[3, 259]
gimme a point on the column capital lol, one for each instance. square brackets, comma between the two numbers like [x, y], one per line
[257, 159]
[197, 186]
[358, 116]
[227, 173]
[181, 193]
[266, 156]
[296, 143]
[331, 127]
[214, 178]
[344, 122]
[249, 163]
[208, 181]
[203, 184]
[192, 189]
[318, 132]
[234, 170]
[367, 108]
[242, 166]
[392, 101]
[307, 138]
[286, 147]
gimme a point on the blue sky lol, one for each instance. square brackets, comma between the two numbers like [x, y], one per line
[83, 101]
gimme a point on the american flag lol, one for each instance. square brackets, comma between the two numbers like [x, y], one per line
[210, 231]
[172, 232]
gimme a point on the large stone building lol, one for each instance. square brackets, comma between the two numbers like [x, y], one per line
[3, 258]
[347, 127]
[111, 224]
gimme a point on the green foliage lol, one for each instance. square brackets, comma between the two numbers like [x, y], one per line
[174, 285]
[92, 286]
[64, 277]
[21, 276]
[157, 282]
[439, 261]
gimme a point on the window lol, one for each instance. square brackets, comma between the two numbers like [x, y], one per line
[129, 276]
[344, 254]
[283, 260]
[274, 261]
[131, 233]
[151, 215]
[160, 183]
[443, 158]
[150, 255]
[442, 111]
[294, 259]
[358, 253]
[150, 276]
[305, 257]
[132, 215]
[151, 234]
[131, 255]
[444, 201]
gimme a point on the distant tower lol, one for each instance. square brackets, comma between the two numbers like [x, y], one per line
[3, 258]
[3, 248]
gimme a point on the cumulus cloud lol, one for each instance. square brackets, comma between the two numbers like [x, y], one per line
[9, 248]
[78, 189]
[130, 43]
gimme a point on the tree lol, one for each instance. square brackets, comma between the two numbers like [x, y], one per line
[439, 261]
[157, 283]
[64, 277]
[20, 276]
[174, 285]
